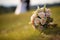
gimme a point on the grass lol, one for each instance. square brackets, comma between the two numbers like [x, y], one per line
[17, 27]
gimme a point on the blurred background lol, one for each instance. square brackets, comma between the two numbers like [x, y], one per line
[15, 17]
[11, 5]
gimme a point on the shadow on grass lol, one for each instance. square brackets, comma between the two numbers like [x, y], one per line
[52, 31]
[49, 34]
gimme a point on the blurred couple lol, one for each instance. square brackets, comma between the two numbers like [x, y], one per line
[22, 6]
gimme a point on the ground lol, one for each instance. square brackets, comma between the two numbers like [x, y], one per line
[17, 27]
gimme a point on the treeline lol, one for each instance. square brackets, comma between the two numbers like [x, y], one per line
[47, 5]
[4, 10]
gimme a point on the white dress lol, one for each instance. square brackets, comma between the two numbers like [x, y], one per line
[21, 8]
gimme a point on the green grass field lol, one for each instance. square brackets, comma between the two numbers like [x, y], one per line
[17, 27]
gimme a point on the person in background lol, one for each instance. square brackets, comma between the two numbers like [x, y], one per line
[28, 4]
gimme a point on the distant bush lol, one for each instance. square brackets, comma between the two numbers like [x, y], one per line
[4, 10]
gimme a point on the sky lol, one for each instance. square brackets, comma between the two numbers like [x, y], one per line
[32, 2]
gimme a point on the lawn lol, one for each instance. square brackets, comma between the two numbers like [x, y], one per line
[17, 27]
